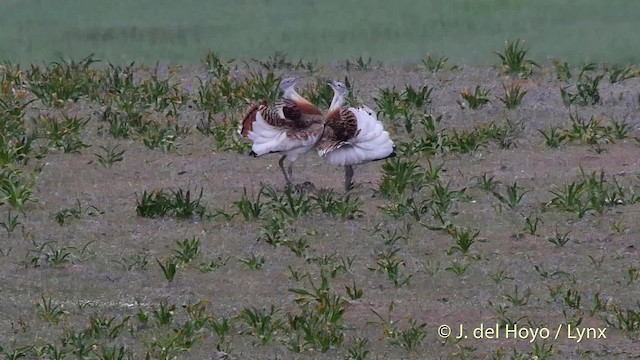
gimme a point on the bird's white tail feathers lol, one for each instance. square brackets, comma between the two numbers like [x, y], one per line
[371, 143]
[267, 138]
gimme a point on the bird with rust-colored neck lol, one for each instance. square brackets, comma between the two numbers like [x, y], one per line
[352, 135]
[292, 126]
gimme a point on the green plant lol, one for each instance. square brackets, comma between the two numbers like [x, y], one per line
[560, 239]
[476, 100]
[434, 64]
[76, 212]
[215, 65]
[48, 311]
[111, 156]
[164, 313]
[513, 59]
[253, 262]
[411, 337]
[168, 268]
[514, 196]
[587, 92]
[618, 74]
[464, 238]
[262, 323]
[358, 64]
[531, 225]
[563, 73]
[517, 299]
[389, 103]
[458, 267]
[388, 262]
[399, 175]
[249, 208]
[357, 351]
[290, 204]
[153, 204]
[513, 96]
[554, 138]
[184, 206]
[11, 223]
[187, 250]
[16, 190]
[354, 292]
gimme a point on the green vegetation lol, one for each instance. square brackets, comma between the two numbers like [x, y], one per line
[125, 191]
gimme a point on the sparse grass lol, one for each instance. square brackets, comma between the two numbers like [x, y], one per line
[178, 203]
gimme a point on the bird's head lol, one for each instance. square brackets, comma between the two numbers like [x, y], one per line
[288, 83]
[339, 88]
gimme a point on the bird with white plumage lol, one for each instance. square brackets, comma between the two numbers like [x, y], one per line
[292, 126]
[352, 135]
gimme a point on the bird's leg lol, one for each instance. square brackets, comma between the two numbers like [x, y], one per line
[348, 176]
[284, 172]
[291, 171]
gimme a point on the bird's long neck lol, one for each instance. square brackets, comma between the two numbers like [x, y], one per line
[336, 102]
[292, 94]
[304, 104]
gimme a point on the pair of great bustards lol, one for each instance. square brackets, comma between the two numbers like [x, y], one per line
[293, 126]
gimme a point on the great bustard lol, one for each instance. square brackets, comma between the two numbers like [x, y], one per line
[352, 135]
[292, 126]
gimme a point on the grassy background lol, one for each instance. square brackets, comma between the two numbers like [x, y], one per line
[181, 31]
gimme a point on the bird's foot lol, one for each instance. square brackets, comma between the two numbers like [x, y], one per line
[305, 187]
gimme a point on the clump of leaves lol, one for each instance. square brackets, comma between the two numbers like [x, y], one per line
[513, 59]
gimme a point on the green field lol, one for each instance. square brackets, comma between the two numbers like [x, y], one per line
[466, 31]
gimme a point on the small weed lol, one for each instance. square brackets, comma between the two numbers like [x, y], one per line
[627, 320]
[618, 74]
[48, 311]
[563, 73]
[499, 276]
[169, 268]
[587, 92]
[513, 96]
[531, 225]
[163, 314]
[554, 138]
[11, 223]
[560, 239]
[354, 292]
[111, 156]
[476, 100]
[216, 66]
[290, 204]
[457, 267]
[262, 323]
[434, 64]
[357, 351]
[253, 262]
[464, 238]
[517, 299]
[411, 337]
[15, 189]
[633, 274]
[76, 212]
[187, 251]
[514, 196]
[388, 262]
[249, 208]
[358, 64]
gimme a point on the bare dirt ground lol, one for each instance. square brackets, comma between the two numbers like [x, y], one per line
[509, 278]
